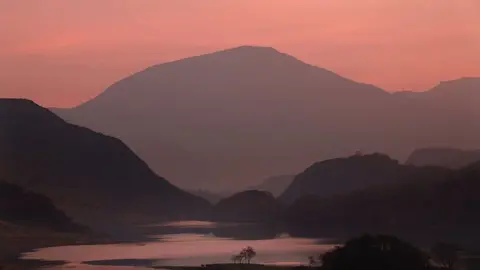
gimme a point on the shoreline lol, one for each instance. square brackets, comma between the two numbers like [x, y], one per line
[21, 264]
[11, 255]
[234, 266]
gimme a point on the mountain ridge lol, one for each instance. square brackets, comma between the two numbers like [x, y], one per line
[429, 209]
[340, 176]
[70, 163]
[444, 157]
[275, 184]
[274, 51]
[250, 50]
[224, 116]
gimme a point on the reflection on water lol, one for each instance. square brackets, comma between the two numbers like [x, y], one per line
[193, 243]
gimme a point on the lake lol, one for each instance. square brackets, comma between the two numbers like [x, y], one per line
[191, 243]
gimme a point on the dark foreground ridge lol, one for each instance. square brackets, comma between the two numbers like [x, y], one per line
[87, 174]
[340, 176]
[444, 206]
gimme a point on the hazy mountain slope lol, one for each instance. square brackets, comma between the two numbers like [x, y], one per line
[275, 184]
[212, 197]
[93, 177]
[462, 94]
[344, 175]
[224, 119]
[455, 103]
[444, 157]
[248, 206]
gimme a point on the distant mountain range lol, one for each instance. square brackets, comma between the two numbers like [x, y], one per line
[445, 208]
[248, 206]
[342, 176]
[222, 120]
[443, 157]
[95, 179]
[275, 184]
[212, 197]
[370, 193]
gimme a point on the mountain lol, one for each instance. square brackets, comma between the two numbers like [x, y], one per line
[248, 206]
[221, 120]
[94, 178]
[275, 184]
[443, 208]
[27, 208]
[444, 157]
[212, 197]
[460, 95]
[341, 176]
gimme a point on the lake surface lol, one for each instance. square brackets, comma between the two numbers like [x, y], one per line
[191, 244]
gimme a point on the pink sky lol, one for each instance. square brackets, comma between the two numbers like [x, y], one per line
[61, 53]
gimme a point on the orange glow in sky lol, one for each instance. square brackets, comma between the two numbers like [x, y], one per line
[61, 53]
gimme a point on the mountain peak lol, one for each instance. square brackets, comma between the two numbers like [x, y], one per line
[17, 102]
[235, 56]
[252, 48]
[25, 110]
[256, 53]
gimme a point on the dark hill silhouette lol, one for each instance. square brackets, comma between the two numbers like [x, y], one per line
[212, 197]
[25, 208]
[224, 119]
[376, 252]
[444, 157]
[248, 206]
[441, 207]
[92, 177]
[359, 172]
[275, 184]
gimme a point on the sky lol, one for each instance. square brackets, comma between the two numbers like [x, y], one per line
[61, 53]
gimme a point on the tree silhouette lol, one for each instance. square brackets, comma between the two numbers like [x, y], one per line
[243, 255]
[249, 253]
[445, 254]
[380, 252]
[311, 261]
[237, 258]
